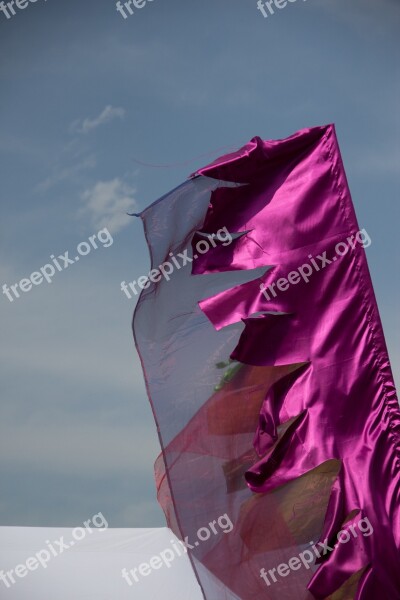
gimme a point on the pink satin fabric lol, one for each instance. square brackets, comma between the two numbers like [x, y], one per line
[303, 439]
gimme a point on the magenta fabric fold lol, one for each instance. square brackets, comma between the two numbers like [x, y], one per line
[268, 373]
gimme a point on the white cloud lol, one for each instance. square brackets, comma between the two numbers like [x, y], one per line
[108, 114]
[107, 203]
[70, 173]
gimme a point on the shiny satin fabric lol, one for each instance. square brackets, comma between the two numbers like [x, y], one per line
[268, 374]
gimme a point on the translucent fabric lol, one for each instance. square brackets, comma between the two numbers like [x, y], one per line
[270, 381]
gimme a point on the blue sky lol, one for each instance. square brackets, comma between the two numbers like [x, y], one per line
[88, 97]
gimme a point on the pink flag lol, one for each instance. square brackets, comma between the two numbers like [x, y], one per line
[268, 374]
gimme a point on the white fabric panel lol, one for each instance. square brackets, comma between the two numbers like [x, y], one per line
[91, 568]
